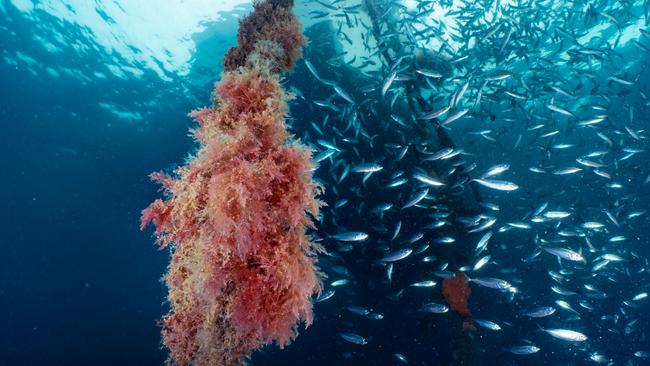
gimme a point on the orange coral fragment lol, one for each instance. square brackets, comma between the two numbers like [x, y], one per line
[243, 269]
[456, 292]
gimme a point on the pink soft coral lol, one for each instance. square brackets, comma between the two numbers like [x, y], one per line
[243, 270]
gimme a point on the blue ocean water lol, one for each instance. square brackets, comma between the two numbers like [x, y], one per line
[95, 96]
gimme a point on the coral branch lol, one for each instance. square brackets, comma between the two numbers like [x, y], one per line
[243, 269]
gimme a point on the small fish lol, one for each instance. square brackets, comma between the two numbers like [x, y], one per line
[598, 358]
[483, 242]
[562, 291]
[429, 73]
[427, 283]
[563, 111]
[389, 272]
[401, 358]
[440, 154]
[549, 134]
[566, 306]
[523, 350]
[341, 282]
[567, 171]
[566, 334]
[591, 121]
[500, 185]
[484, 226]
[519, 225]
[396, 231]
[421, 249]
[435, 114]
[495, 170]
[325, 295]
[562, 91]
[434, 308]
[343, 94]
[427, 180]
[557, 214]
[498, 77]
[397, 182]
[359, 310]
[589, 163]
[487, 324]
[436, 224]
[540, 312]
[516, 95]
[388, 83]
[445, 240]
[419, 196]
[367, 168]
[350, 236]
[592, 225]
[458, 115]
[494, 283]
[324, 155]
[328, 145]
[642, 354]
[621, 81]
[354, 338]
[397, 255]
[480, 263]
[565, 254]
[312, 69]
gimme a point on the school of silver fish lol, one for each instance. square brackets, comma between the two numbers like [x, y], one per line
[510, 131]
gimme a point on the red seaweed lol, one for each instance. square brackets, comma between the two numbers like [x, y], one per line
[270, 21]
[243, 270]
[456, 292]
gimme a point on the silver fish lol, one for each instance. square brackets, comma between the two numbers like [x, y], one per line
[350, 236]
[325, 295]
[435, 114]
[564, 253]
[454, 117]
[324, 155]
[421, 177]
[397, 255]
[481, 262]
[354, 338]
[388, 83]
[495, 170]
[367, 168]
[434, 308]
[427, 283]
[483, 242]
[487, 324]
[341, 282]
[419, 196]
[500, 185]
[494, 283]
[566, 334]
[523, 350]
[540, 312]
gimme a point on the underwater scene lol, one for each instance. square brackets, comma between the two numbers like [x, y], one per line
[325, 182]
